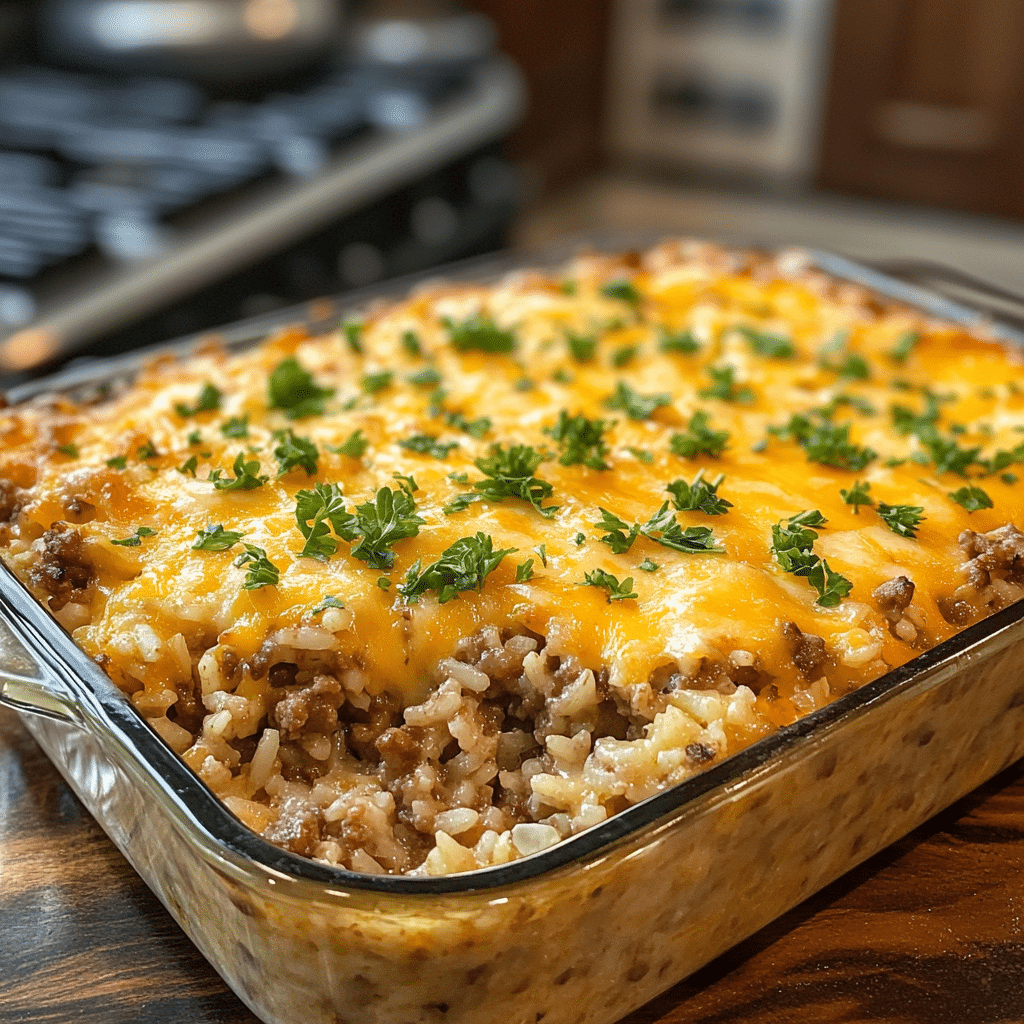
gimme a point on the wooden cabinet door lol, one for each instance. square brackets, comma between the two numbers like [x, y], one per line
[926, 103]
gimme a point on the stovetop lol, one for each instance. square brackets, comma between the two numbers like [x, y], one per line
[119, 195]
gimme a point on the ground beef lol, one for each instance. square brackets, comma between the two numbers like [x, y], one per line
[809, 652]
[63, 570]
[894, 597]
[999, 551]
[9, 501]
[312, 708]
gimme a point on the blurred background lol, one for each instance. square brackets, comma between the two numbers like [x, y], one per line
[168, 166]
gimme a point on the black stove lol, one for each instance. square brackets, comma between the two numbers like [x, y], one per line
[138, 209]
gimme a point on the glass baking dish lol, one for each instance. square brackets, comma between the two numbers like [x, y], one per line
[582, 932]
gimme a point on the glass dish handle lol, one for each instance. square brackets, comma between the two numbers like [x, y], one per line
[28, 681]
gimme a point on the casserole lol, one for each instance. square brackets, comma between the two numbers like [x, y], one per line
[643, 899]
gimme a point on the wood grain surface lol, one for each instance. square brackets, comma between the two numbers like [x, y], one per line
[928, 931]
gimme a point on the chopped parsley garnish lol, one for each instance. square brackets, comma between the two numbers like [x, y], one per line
[428, 377]
[792, 543]
[763, 343]
[905, 344]
[117, 462]
[853, 366]
[510, 474]
[216, 538]
[70, 450]
[461, 477]
[261, 571]
[641, 455]
[542, 554]
[648, 566]
[1009, 478]
[635, 405]
[194, 437]
[971, 498]
[295, 452]
[905, 421]
[826, 443]
[524, 384]
[236, 427]
[383, 582]
[374, 383]
[582, 346]
[699, 496]
[901, 519]
[524, 571]
[857, 495]
[854, 402]
[949, 456]
[292, 388]
[621, 289]
[189, 466]
[353, 332]
[581, 440]
[427, 444]
[481, 333]
[407, 483]
[247, 476]
[699, 438]
[354, 446]
[380, 523]
[319, 511]
[562, 376]
[135, 539]
[616, 591]
[411, 344]
[580, 539]
[147, 450]
[463, 566]
[723, 386]
[475, 428]
[624, 355]
[682, 342]
[662, 528]
[207, 400]
[329, 601]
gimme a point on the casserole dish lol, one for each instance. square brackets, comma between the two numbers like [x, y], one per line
[584, 930]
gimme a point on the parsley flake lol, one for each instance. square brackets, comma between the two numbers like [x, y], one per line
[118, 462]
[582, 346]
[724, 387]
[237, 427]
[624, 355]
[481, 333]
[216, 538]
[329, 601]
[147, 450]
[763, 343]
[428, 377]
[292, 388]
[261, 572]
[622, 289]
[648, 566]
[971, 498]
[524, 572]
[194, 437]
[699, 438]
[295, 452]
[70, 450]
[380, 523]
[616, 591]
[792, 543]
[354, 446]
[681, 343]
[901, 519]
[207, 400]
[136, 538]
[411, 344]
[317, 512]
[189, 466]
[699, 496]
[904, 345]
[353, 331]
[857, 495]
[463, 566]
[641, 455]
[374, 383]
[510, 474]
[247, 476]
[542, 554]
[427, 444]
[635, 405]
[581, 440]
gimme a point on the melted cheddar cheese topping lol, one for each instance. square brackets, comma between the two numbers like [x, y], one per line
[655, 354]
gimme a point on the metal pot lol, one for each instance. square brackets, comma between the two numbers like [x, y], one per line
[211, 40]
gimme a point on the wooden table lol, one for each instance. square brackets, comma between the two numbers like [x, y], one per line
[929, 931]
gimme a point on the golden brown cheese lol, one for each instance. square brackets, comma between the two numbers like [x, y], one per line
[749, 343]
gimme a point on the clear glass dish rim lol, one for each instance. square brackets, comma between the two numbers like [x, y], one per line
[220, 837]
